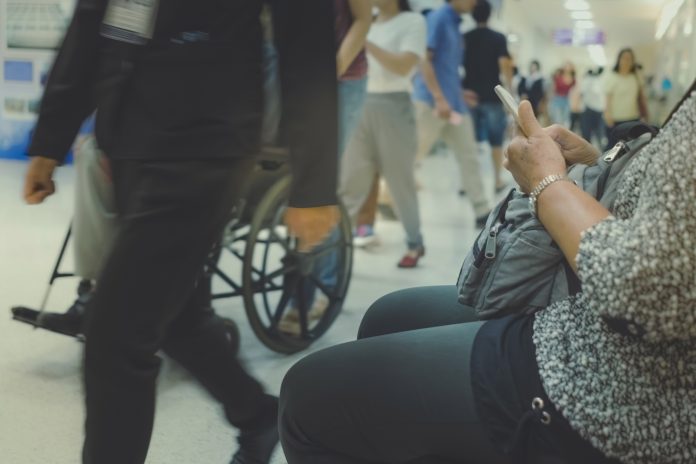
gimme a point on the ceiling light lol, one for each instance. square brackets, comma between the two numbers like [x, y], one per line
[667, 15]
[598, 54]
[584, 25]
[581, 15]
[512, 38]
[577, 5]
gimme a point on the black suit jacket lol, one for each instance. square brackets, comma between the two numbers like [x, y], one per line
[176, 99]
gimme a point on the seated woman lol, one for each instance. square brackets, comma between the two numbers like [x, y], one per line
[607, 376]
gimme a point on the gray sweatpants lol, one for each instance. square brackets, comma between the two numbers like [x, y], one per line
[462, 141]
[385, 143]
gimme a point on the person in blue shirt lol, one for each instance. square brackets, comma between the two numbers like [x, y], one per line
[440, 108]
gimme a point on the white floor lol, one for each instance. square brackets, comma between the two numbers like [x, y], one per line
[41, 409]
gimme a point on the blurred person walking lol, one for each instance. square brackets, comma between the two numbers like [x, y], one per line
[352, 23]
[591, 122]
[440, 107]
[533, 88]
[563, 82]
[385, 140]
[625, 99]
[178, 89]
[486, 58]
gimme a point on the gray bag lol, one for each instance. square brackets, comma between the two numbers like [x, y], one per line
[514, 265]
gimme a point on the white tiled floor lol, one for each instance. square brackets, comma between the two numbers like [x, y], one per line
[41, 409]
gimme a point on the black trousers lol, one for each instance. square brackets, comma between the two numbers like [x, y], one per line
[150, 297]
[592, 124]
[401, 394]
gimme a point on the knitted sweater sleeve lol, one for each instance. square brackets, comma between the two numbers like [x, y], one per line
[638, 269]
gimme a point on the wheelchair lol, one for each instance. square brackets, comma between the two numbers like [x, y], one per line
[273, 278]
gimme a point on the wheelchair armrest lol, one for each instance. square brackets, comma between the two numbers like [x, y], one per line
[273, 157]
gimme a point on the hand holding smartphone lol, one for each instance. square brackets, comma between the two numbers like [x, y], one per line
[509, 103]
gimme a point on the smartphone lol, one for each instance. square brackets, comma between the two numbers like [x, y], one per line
[509, 103]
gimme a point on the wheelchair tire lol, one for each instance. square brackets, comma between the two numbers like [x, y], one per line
[275, 276]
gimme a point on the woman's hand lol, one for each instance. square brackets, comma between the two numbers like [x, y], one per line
[574, 148]
[530, 159]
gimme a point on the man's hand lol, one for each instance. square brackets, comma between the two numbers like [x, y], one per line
[443, 110]
[311, 226]
[533, 157]
[38, 183]
[470, 97]
[574, 148]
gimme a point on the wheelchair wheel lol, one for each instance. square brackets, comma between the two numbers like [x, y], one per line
[280, 284]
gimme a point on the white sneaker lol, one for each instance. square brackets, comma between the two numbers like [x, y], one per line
[365, 236]
[290, 324]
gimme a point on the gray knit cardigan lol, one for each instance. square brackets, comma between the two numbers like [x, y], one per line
[634, 397]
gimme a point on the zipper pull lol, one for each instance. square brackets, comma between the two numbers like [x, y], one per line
[614, 152]
[491, 242]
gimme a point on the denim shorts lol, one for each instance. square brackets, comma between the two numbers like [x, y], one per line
[490, 121]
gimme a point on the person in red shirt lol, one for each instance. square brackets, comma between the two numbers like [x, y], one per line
[563, 81]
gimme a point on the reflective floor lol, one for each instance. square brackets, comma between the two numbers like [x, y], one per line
[41, 408]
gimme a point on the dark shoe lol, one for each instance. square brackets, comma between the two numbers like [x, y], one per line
[70, 322]
[481, 221]
[411, 258]
[258, 441]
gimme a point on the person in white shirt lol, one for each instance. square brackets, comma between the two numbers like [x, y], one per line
[591, 122]
[385, 141]
[625, 97]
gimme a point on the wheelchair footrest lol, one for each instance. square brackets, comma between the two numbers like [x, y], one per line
[54, 324]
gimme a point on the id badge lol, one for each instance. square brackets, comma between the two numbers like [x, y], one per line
[130, 21]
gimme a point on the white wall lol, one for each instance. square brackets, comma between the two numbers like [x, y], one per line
[675, 57]
[533, 43]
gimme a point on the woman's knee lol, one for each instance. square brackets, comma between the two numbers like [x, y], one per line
[310, 395]
[379, 318]
[411, 309]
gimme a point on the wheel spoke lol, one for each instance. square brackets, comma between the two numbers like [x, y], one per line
[303, 309]
[284, 300]
[260, 286]
[281, 241]
[324, 289]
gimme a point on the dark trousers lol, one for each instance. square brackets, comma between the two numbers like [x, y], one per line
[401, 394]
[592, 125]
[151, 296]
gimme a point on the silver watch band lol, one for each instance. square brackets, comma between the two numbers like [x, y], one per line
[545, 182]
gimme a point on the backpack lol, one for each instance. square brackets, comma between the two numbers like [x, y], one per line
[514, 265]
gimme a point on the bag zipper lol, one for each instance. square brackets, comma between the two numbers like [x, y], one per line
[619, 149]
[492, 241]
[491, 245]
